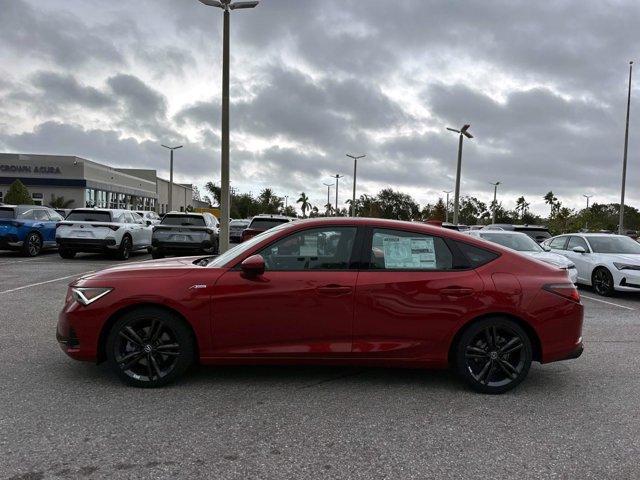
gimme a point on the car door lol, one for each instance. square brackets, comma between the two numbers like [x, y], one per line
[301, 305]
[413, 292]
[582, 261]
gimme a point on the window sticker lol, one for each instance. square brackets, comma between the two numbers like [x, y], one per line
[310, 246]
[409, 252]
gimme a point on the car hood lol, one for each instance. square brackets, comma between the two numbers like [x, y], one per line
[550, 257]
[171, 267]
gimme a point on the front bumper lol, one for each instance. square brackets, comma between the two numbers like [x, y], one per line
[627, 280]
[9, 241]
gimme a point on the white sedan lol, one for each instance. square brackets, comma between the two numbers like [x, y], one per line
[604, 261]
[523, 243]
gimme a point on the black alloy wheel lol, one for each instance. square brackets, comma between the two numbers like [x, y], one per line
[32, 245]
[150, 347]
[602, 282]
[124, 252]
[494, 355]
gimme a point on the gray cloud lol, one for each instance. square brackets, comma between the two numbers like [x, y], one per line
[66, 89]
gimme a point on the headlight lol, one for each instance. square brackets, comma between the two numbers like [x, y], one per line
[626, 266]
[87, 295]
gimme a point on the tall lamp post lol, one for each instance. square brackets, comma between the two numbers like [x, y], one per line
[286, 201]
[624, 157]
[337, 177]
[226, 6]
[355, 167]
[586, 222]
[328, 185]
[446, 210]
[463, 132]
[495, 201]
[171, 149]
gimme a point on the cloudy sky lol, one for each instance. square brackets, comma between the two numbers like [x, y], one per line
[543, 85]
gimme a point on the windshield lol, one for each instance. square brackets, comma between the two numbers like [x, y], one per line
[614, 244]
[89, 216]
[266, 223]
[518, 241]
[183, 220]
[241, 248]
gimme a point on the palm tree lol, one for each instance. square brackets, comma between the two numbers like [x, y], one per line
[522, 206]
[304, 204]
[551, 200]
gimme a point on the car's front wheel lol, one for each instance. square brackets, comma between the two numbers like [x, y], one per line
[150, 347]
[602, 282]
[32, 245]
[494, 355]
[66, 252]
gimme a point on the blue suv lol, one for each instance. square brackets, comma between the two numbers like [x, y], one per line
[27, 228]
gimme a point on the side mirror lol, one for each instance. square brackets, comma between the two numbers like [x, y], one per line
[253, 266]
[546, 248]
[579, 250]
[148, 223]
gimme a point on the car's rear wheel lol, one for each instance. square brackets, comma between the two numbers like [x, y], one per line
[124, 252]
[32, 245]
[150, 347]
[66, 252]
[602, 282]
[494, 355]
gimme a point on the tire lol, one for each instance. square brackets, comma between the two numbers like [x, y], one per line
[124, 252]
[149, 250]
[66, 253]
[483, 361]
[32, 245]
[156, 254]
[602, 282]
[150, 347]
[216, 247]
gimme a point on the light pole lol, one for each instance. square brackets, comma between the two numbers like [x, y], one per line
[495, 201]
[337, 177]
[355, 167]
[586, 222]
[328, 185]
[227, 6]
[624, 157]
[171, 149]
[286, 201]
[456, 199]
[446, 210]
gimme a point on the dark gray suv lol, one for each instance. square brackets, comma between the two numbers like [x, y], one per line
[184, 233]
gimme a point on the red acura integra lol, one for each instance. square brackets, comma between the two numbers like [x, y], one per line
[330, 291]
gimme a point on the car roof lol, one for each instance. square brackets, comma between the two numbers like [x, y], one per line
[182, 214]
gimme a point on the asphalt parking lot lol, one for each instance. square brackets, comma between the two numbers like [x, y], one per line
[64, 419]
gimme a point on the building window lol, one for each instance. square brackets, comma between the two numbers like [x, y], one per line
[37, 198]
[89, 197]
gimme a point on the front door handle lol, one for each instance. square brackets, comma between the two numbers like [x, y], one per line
[455, 291]
[334, 290]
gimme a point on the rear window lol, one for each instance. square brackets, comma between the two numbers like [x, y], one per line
[89, 216]
[477, 256]
[266, 223]
[538, 235]
[6, 212]
[183, 220]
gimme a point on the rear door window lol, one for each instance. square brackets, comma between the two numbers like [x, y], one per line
[401, 250]
[476, 256]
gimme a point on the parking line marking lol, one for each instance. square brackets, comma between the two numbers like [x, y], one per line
[43, 283]
[602, 301]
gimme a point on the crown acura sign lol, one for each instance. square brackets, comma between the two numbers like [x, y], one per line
[43, 170]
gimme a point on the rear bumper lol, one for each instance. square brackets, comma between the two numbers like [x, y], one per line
[86, 244]
[182, 246]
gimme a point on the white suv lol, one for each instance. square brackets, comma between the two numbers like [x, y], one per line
[117, 232]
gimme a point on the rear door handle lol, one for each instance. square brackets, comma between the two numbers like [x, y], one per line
[334, 290]
[455, 291]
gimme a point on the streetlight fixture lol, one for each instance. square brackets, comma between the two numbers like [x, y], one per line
[171, 149]
[446, 210]
[463, 132]
[624, 157]
[495, 200]
[337, 177]
[227, 6]
[328, 185]
[355, 167]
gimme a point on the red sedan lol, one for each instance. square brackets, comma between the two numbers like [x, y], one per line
[330, 291]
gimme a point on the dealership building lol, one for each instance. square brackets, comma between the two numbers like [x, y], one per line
[91, 184]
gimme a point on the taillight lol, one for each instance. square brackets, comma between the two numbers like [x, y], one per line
[566, 290]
